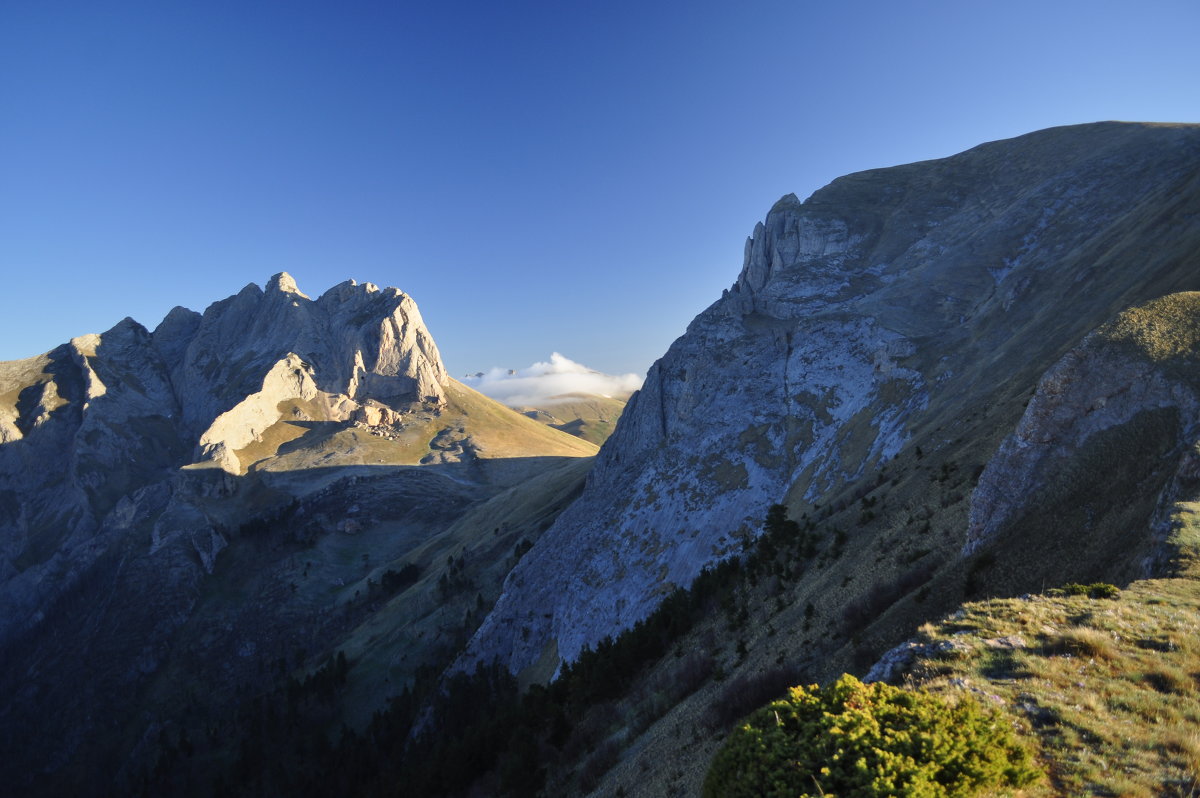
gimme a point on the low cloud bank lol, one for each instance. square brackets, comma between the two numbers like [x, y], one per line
[540, 383]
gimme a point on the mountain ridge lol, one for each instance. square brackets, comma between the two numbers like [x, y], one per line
[887, 299]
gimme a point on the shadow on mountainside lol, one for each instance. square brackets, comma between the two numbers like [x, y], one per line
[64, 374]
[144, 641]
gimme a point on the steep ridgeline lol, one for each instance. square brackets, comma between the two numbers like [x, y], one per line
[889, 303]
[190, 516]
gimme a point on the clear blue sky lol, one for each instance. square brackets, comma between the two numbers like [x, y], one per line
[554, 176]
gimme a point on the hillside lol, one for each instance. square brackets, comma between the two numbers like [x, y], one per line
[1096, 482]
[1105, 688]
[832, 590]
[587, 416]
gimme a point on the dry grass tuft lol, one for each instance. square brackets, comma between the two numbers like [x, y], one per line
[1082, 642]
[1168, 680]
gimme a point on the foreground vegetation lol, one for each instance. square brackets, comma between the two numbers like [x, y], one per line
[1107, 688]
[866, 740]
[1103, 684]
[478, 730]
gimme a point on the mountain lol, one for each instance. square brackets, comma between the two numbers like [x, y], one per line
[561, 393]
[186, 509]
[896, 310]
[588, 416]
[964, 378]
[1095, 482]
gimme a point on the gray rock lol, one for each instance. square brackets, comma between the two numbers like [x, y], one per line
[897, 662]
[887, 300]
[1009, 643]
[95, 423]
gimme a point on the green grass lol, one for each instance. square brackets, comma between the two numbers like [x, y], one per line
[1166, 331]
[1184, 539]
[1108, 689]
[592, 418]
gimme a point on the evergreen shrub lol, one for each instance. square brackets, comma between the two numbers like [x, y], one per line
[1096, 590]
[866, 740]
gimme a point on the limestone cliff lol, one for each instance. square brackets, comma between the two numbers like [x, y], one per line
[889, 302]
[359, 342]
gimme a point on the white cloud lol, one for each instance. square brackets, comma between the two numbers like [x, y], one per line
[542, 382]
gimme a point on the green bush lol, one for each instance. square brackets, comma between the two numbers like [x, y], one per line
[1096, 590]
[854, 739]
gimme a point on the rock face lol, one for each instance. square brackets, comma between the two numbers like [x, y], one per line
[885, 302]
[357, 341]
[114, 413]
[245, 422]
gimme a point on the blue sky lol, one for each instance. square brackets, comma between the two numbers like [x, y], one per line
[576, 177]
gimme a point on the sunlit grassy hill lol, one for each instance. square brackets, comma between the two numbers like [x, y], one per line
[468, 427]
[587, 416]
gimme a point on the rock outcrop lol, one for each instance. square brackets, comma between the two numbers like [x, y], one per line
[245, 422]
[358, 341]
[887, 302]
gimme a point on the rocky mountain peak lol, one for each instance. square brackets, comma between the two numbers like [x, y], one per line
[361, 343]
[766, 248]
[249, 291]
[284, 283]
[141, 474]
[127, 408]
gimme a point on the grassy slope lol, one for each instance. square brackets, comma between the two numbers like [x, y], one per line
[1108, 689]
[296, 443]
[388, 646]
[527, 471]
[587, 416]
[508, 433]
[301, 588]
